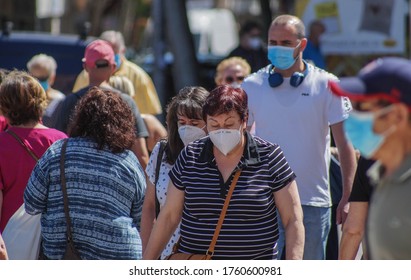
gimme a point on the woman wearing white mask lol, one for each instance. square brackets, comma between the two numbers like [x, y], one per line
[232, 71]
[202, 175]
[184, 125]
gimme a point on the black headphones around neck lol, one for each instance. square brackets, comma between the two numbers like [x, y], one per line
[275, 79]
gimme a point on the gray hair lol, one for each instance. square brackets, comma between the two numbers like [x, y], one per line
[115, 38]
[291, 20]
[44, 61]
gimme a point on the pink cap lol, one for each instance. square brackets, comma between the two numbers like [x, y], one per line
[96, 51]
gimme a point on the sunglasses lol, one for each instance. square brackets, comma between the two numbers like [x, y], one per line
[231, 79]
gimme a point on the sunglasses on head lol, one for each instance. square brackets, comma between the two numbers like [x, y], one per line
[231, 79]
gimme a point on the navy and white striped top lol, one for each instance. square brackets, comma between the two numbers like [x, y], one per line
[250, 228]
[105, 192]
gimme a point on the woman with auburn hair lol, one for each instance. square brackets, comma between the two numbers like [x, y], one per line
[202, 176]
[105, 183]
[22, 103]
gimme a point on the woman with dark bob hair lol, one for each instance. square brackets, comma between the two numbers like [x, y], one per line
[184, 125]
[22, 103]
[201, 178]
[105, 183]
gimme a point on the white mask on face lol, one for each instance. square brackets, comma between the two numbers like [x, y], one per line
[225, 139]
[189, 133]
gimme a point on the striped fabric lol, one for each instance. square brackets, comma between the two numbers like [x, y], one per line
[250, 228]
[105, 193]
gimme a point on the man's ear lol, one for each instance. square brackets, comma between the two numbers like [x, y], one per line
[85, 67]
[402, 115]
[303, 44]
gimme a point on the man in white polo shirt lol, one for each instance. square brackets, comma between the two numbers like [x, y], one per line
[291, 105]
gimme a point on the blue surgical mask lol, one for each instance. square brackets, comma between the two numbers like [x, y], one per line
[117, 60]
[281, 57]
[359, 130]
[44, 84]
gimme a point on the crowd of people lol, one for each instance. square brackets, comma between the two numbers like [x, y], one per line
[97, 164]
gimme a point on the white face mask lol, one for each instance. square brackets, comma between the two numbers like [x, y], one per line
[189, 133]
[225, 139]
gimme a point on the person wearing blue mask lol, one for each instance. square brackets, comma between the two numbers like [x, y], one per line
[380, 128]
[291, 105]
[43, 68]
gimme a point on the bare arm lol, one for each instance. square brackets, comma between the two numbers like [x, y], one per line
[148, 215]
[167, 222]
[288, 204]
[353, 230]
[348, 165]
[3, 250]
[139, 148]
[156, 130]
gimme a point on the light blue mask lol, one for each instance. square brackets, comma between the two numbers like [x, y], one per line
[117, 60]
[44, 84]
[359, 130]
[281, 57]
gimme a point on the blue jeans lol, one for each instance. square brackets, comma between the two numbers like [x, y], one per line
[317, 223]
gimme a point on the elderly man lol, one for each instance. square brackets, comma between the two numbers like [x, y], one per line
[99, 63]
[145, 96]
[380, 128]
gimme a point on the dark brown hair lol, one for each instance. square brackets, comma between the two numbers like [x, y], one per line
[103, 116]
[189, 103]
[22, 99]
[224, 99]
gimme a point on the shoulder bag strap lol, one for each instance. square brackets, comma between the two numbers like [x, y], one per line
[210, 250]
[31, 153]
[64, 189]
[161, 149]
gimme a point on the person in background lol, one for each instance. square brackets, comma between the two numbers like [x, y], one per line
[145, 97]
[232, 71]
[251, 46]
[312, 52]
[380, 128]
[43, 68]
[99, 63]
[354, 227]
[22, 102]
[201, 178]
[156, 130]
[292, 106]
[105, 183]
[184, 124]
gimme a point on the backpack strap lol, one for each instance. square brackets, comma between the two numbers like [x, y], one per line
[163, 144]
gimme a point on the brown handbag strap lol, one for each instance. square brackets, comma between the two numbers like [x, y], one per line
[31, 153]
[64, 189]
[210, 250]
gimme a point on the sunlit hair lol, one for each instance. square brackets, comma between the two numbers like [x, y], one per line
[284, 20]
[102, 116]
[224, 99]
[123, 84]
[115, 38]
[230, 62]
[43, 61]
[22, 99]
[188, 102]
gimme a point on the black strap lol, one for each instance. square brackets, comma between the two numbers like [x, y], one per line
[64, 189]
[31, 153]
[163, 144]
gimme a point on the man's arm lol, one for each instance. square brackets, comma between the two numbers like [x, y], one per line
[353, 230]
[348, 165]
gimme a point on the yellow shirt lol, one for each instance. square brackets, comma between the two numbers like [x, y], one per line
[146, 97]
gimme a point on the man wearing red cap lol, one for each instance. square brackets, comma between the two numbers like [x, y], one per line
[99, 63]
[380, 128]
